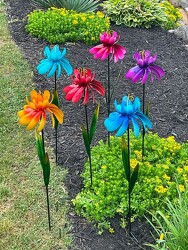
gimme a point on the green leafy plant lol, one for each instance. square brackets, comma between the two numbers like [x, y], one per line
[164, 161]
[142, 13]
[77, 5]
[172, 229]
[139, 13]
[61, 25]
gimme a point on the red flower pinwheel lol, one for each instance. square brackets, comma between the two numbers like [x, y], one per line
[109, 46]
[83, 83]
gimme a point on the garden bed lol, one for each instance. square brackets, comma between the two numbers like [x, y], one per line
[168, 100]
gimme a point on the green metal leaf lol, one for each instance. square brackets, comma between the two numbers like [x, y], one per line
[94, 123]
[40, 147]
[147, 109]
[133, 179]
[86, 140]
[43, 157]
[56, 102]
[125, 159]
[46, 170]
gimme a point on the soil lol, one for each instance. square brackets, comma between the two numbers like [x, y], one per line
[168, 101]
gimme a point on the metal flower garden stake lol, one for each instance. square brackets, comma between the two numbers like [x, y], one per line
[102, 51]
[83, 82]
[34, 113]
[53, 64]
[126, 112]
[145, 66]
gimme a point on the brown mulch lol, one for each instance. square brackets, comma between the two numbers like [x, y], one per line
[168, 98]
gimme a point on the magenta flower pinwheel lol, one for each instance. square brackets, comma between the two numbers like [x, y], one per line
[145, 66]
[55, 60]
[109, 46]
[83, 83]
[125, 112]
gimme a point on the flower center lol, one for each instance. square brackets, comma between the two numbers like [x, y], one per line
[129, 110]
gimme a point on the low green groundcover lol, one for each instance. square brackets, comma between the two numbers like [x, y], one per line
[165, 164]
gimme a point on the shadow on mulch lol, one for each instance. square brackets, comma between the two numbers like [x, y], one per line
[168, 100]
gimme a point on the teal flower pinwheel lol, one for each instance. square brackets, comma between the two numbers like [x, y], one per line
[125, 112]
[55, 60]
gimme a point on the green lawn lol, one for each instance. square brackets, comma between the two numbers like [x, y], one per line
[23, 217]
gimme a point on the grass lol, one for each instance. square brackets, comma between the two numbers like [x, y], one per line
[172, 229]
[23, 215]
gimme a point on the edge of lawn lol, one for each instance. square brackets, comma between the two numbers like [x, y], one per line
[23, 212]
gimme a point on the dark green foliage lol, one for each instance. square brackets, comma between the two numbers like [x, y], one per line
[77, 5]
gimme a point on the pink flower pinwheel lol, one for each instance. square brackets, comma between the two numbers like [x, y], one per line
[109, 46]
[145, 66]
[83, 82]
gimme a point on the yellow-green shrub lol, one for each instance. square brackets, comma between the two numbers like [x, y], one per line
[61, 25]
[173, 15]
[165, 162]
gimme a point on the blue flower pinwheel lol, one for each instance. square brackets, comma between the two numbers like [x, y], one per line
[55, 60]
[125, 112]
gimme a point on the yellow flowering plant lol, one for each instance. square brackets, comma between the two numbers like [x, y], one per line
[165, 161]
[58, 25]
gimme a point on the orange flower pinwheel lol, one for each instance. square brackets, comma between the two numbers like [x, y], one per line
[35, 111]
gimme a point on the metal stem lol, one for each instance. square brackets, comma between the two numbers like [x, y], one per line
[108, 96]
[129, 194]
[143, 110]
[56, 137]
[48, 208]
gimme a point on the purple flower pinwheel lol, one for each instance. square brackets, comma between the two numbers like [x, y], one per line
[125, 112]
[145, 66]
[55, 60]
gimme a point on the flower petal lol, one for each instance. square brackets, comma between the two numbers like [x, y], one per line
[67, 67]
[34, 121]
[47, 52]
[86, 96]
[113, 122]
[138, 75]
[78, 95]
[132, 72]
[42, 122]
[123, 127]
[52, 71]
[58, 70]
[43, 68]
[57, 112]
[145, 77]
[98, 87]
[144, 119]
[136, 128]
